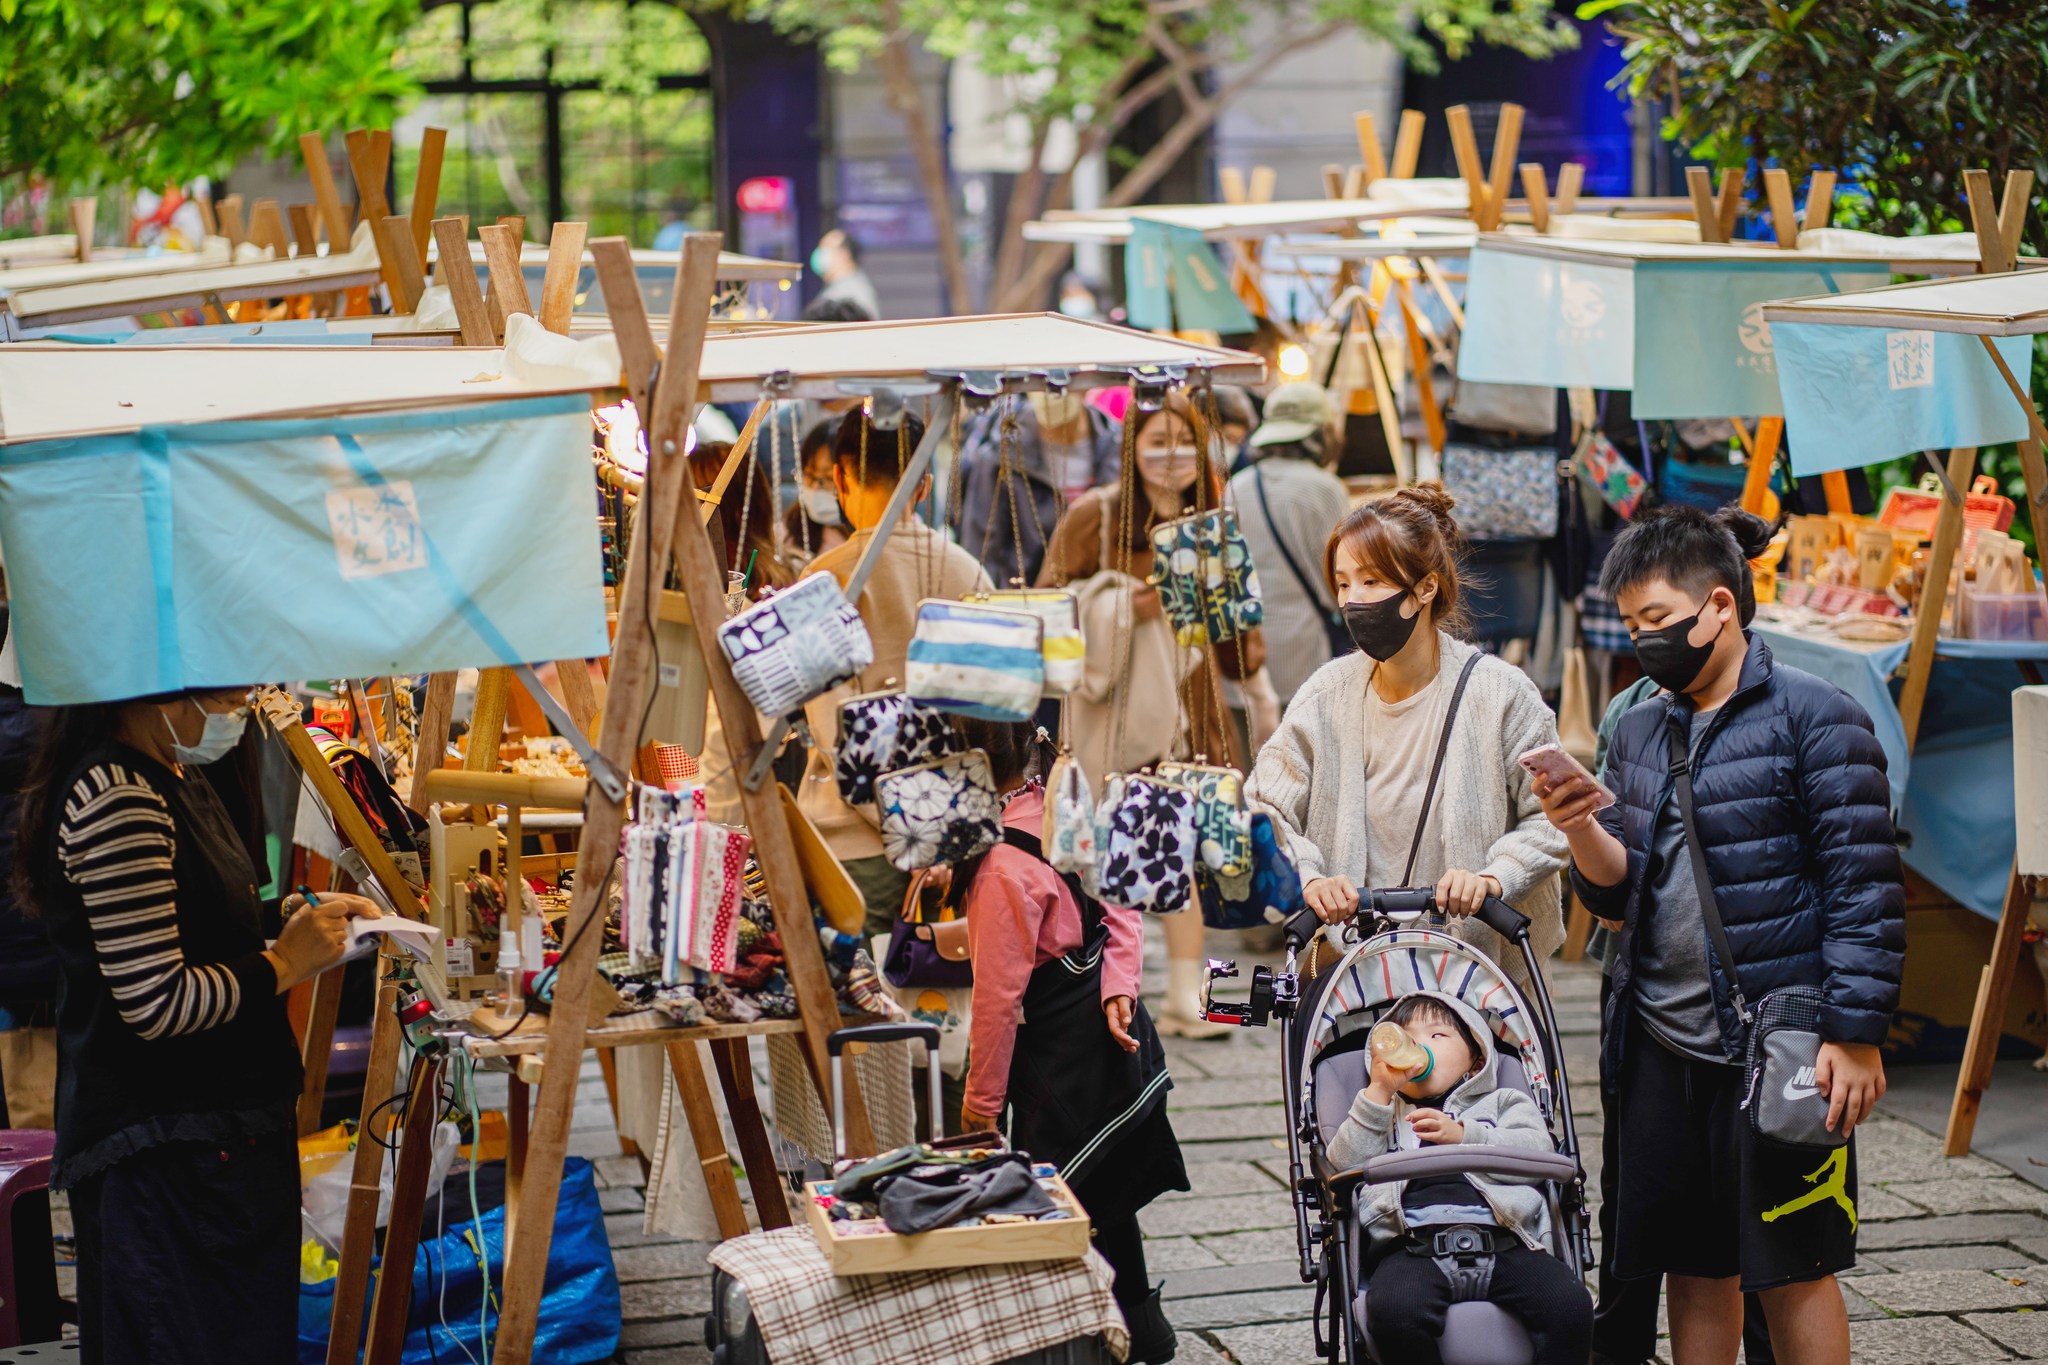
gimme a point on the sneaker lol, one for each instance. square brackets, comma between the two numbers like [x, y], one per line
[1152, 1337]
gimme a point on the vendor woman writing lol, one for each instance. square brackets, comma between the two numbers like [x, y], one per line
[177, 1071]
[1060, 1035]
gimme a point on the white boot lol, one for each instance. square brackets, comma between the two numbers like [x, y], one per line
[1181, 1014]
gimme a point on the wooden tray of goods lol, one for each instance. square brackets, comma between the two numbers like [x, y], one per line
[865, 1246]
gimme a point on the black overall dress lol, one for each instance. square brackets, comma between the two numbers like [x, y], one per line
[1075, 1097]
[181, 1153]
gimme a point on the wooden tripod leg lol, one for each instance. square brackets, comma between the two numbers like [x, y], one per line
[695, 1093]
[345, 1331]
[1987, 1019]
[1948, 538]
[736, 1078]
[317, 1046]
[608, 1067]
[408, 1207]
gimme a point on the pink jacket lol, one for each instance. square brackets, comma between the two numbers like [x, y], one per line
[1020, 915]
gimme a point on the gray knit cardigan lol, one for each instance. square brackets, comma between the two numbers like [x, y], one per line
[1312, 777]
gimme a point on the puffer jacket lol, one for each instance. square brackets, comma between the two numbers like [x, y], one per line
[1493, 1117]
[1794, 811]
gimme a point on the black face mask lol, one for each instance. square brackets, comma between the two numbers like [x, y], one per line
[1379, 628]
[1669, 658]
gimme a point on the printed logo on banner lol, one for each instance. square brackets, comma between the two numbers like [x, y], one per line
[1584, 304]
[1755, 335]
[1909, 358]
[376, 530]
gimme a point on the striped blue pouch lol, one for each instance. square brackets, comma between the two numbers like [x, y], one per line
[978, 661]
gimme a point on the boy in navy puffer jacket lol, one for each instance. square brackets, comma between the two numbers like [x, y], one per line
[1793, 812]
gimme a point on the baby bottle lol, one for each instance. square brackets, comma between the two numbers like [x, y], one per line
[1390, 1043]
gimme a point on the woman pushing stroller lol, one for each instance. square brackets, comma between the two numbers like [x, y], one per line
[1410, 1225]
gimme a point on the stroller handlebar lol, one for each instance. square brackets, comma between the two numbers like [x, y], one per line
[1408, 902]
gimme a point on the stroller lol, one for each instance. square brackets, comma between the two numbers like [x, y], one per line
[1400, 946]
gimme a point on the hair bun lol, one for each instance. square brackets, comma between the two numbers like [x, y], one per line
[1432, 497]
[1752, 534]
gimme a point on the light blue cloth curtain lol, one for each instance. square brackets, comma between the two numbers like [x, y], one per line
[333, 547]
[1857, 395]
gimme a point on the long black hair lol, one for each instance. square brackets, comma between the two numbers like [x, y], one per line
[69, 733]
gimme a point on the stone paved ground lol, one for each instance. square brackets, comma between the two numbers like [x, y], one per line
[1954, 1253]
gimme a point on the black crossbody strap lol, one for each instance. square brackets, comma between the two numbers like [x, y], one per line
[1293, 565]
[1681, 775]
[1443, 744]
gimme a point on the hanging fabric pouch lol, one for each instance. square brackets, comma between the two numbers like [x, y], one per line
[880, 732]
[1222, 828]
[1503, 494]
[1148, 861]
[796, 645]
[941, 811]
[1060, 611]
[1069, 836]
[1206, 581]
[981, 661]
[1619, 483]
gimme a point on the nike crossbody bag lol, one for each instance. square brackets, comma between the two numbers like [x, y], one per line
[1779, 1096]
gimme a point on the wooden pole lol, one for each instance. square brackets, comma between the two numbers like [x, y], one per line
[1536, 189]
[1369, 152]
[369, 176]
[1699, 183]
[1820, 201]
[457, 273]
[1987, 1017]
[405, 262]
[1407, 145]
[1465, 147]
[305, 229]
[1728, 203]
[1948, 536]
[1507, 140]
[736, 1078]
[1756, 480]
[673, 404]
[231, 224]
[1784, 220]
[430, 746]
[508, 284]
[1571, 177]
[694, 1092]
[558, 286]
[426, 188]
[313, 148]
[84, 213]
[414, 1165]
[365, 1186]
[317, 1048]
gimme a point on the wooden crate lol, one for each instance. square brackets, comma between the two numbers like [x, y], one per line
[868, 1248]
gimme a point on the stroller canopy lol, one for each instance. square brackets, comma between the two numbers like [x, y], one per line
[1388, 966]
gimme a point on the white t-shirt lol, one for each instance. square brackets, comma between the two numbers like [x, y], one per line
[1400, 743]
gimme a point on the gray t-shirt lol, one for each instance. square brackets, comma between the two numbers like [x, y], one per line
[1673, 992]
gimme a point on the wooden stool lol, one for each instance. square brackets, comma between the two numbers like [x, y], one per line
[29, 1308]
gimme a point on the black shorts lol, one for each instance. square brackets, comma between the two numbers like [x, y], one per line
[1698, 1193]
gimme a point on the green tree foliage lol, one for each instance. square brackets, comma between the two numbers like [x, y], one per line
[99, 92]
[1101, 63]
[1899, 96]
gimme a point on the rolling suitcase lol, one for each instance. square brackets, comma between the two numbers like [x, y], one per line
[731, 1333]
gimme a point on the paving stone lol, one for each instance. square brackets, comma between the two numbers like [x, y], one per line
[1164, 1255]
[663, 1261]
[1245, 1121]
[1971, 1195]
[621, 1172]
[1192, 1348]
[1234, 1310]
[1229, 1213]
[1860, 1309]
[1232, 1149]
[1211, 1178]
[1231, 1279]
[594, 1145]
[624, 1230]
[1231, 1056]
[1946, 1291]
[616, 1200]
[1250, 1248]
[664, 1299]
[1892, 1149]
[1957, 1229]
[1224, 1092]
[1918, 1341]
[670, 1355]
[1285, 1343]
[1953, 1258]
[1875, 1204]
[2026, 1333]
[682, 1331]
[2036, 1247]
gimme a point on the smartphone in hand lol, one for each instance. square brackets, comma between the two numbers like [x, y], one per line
[1555, 763]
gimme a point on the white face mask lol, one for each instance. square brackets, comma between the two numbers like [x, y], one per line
[821, 505]
[222, 732]
[1078, 306]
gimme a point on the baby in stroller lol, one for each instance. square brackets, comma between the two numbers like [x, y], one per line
[1452, 1236]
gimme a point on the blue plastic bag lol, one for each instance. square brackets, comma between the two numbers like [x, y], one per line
[579, 1311]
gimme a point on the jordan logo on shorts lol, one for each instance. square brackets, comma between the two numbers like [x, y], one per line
[1835, 1187]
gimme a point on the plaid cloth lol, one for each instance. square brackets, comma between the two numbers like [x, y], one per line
[974, 1316]
[1600, 624]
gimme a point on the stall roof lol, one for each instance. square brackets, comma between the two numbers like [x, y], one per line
[1628, 254]
[1093, 354]
[51, 390]
[731, 264]
[1221, 222]
[1375, 248]
[56, 305]
[2007, 305]
[48, 274]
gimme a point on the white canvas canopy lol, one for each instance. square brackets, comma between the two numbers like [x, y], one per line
[50, 389]
[44, 275]
[2007, 305]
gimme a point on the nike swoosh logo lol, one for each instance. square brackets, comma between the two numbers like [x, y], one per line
[1800, 1092]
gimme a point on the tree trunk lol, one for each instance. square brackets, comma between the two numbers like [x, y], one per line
[900, 81]
[1026, 192]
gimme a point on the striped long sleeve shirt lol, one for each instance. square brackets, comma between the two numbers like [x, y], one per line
[116, 844]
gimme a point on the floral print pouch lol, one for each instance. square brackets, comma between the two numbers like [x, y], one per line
[1147, 862]
[796, 645]
[880, 732]
[1222, 830]
[1206, 581]
[941, 811]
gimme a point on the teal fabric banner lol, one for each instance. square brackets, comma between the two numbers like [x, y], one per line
[1173, 282]
[336, 547]
[1686, 337]
[1857, 395]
